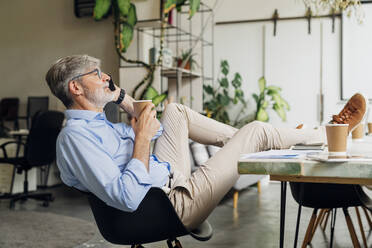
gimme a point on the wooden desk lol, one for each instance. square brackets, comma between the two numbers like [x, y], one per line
[302, 170]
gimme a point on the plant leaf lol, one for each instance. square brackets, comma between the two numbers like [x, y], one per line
[151, 93]
[265, 104]
[280, 111]
[255, 97]
[132, 15]
[224, 82]
[158, 99]
[262, 84]
[194, 7]
[223, 100]
[237, 81]
[101, 8]
[272, 92]
[224, 67]
[262, 115]
[169, 5]
[179, 3]
[124, 6]
[126, 37]
[208, 89]
[274, 88]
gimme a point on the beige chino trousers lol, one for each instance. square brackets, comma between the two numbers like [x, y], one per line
[194, 196]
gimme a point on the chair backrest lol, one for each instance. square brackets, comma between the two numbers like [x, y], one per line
[41, 141]
[326, 195]
[154, 220]
[34, 105]
[9, 109]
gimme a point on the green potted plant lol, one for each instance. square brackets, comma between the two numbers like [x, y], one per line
[187, 56]
[125, 19]
[269, 97]
[218, 100]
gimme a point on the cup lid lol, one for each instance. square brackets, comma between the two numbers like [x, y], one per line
[143, 101]
[336, 124]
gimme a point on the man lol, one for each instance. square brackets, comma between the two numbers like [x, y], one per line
[113, 161]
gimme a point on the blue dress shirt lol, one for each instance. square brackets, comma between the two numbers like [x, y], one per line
[95, 155]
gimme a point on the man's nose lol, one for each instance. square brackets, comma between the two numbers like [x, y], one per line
[105, 77]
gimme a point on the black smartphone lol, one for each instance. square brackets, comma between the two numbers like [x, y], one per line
[111, 84]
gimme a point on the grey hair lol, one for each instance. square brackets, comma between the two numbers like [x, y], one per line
[63, 70]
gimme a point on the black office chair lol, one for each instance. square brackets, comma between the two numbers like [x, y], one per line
[39, 150]
[154, 220]
[34, 105]
[327, 196]
[9, 112]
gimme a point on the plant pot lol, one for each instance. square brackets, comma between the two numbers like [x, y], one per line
[187, 66]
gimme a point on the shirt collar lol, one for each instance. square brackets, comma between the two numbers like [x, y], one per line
[84, 114]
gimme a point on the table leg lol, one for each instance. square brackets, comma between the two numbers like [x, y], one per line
[283, 197]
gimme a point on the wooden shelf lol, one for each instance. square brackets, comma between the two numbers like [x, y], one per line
[172, 73]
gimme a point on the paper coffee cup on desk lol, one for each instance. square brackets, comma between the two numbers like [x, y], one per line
[370, 127]
[337, 138]
[358, 132]
[139, 106]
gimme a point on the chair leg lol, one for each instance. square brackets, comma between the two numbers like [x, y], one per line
[235, 199]
[309, 228]
[259, 187]
[177, 243]
[350, 226]
[317, 221]
[333, 223]
[325, 221]
[361, 227]
[368, 218]
[322, 219]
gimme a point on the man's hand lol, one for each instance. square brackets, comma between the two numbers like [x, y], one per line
[145, 127]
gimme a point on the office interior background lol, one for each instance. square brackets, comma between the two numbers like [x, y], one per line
[318, 62]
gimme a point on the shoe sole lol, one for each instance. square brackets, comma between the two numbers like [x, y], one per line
[364, 116]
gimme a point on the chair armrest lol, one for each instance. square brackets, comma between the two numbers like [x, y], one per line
[2, 146]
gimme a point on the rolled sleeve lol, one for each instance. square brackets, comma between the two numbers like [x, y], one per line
[159, 132]
[139, 171]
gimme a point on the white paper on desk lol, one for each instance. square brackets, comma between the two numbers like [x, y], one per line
[278, 154]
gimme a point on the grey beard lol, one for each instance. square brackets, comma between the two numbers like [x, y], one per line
[99, 98]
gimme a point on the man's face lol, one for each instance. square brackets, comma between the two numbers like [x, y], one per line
[95, 86]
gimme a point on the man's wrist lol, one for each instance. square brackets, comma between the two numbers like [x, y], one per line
[121, 97]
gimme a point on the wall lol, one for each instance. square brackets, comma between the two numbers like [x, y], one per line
[36, 33]
[292, 59]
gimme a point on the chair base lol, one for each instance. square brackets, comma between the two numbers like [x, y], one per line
[45, 197]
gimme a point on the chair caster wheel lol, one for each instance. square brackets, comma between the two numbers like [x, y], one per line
[46, 204]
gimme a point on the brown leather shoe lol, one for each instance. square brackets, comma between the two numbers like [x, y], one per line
[353, 112]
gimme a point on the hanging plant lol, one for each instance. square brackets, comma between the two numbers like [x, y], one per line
[125, 19]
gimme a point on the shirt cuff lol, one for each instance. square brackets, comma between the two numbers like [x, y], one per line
[138, 169]
[158, 133]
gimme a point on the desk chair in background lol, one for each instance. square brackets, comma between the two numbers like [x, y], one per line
[39, 150]
[9, 112]
[154, 220]
[34, 105]
[328, 196]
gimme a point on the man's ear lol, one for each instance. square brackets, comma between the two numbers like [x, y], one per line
[75, 88]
